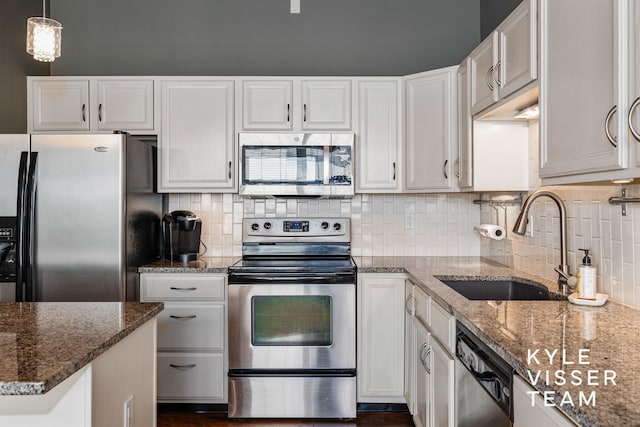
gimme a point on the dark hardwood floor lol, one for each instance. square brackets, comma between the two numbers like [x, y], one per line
[401, 419]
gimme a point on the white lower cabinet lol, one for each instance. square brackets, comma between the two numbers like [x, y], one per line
[442, 374]
[429, 365]
[409, 345]
[534, 414]
[422, 413]
[191, 377]
[380, 349]
[192, 337]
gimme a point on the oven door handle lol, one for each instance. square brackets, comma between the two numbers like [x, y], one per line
[299, 278]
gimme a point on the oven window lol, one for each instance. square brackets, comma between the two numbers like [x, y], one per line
[301, 165]
[291, 320]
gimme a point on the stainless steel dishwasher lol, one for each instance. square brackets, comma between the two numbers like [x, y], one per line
[484, 384]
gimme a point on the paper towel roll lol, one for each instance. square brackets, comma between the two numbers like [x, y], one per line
[491, 231]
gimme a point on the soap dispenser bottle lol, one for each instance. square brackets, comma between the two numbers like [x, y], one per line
[586, 278]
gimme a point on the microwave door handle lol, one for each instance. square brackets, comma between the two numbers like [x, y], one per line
[327, 165]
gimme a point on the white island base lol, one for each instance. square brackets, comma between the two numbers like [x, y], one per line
[118, 388]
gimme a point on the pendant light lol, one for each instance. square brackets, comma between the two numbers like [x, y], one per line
[44, 37]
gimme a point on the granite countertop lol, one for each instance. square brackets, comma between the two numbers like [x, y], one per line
[44, 343]
[605, 340]
[608, 337]
[201, 265]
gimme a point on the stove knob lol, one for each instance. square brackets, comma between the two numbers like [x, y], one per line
[337, 226]
[324, 225]
[255, 226]
[267, 226]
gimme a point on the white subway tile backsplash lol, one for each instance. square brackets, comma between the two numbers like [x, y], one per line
[592, 223]
[443, 222]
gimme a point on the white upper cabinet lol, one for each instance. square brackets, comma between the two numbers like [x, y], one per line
[583, 88]
[267, 105]
[197, 139]
[124, 104]
[326, 104]
[378, 136]
[483, 85]
[431, 131]
[296, 104]
[58, 104]
[506, 60]
[633, 116]
[517, 41]
[90, 104]
[464, 164]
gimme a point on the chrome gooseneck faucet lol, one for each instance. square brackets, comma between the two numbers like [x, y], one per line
[565, 279]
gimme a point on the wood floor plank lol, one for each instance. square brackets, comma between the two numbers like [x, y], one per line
[220, 420]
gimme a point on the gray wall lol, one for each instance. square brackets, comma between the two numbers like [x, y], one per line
[16, 63]
[261, 37]
[493, 12]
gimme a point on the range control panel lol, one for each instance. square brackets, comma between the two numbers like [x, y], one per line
[295, 227]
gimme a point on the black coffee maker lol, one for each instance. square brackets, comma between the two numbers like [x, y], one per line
[181, 236]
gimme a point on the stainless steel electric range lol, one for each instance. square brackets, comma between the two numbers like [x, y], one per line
[292, 320]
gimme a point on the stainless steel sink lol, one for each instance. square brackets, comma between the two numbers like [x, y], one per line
[507, 289]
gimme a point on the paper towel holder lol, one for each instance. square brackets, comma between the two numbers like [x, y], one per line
[500, 232]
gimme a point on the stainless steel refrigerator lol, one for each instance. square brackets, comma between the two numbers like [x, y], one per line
[78, 215]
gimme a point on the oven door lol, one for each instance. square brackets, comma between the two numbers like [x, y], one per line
[291, 327]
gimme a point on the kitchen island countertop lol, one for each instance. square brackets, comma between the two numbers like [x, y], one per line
[609, 336]
[44, 343]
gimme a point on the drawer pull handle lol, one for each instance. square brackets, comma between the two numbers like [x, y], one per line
[407, 305]
[189, 366]
[193, 316]
[173, 288]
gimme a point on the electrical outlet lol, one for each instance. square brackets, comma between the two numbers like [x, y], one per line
[529, 231]
[409, 221]
[128, 412]
[295, 6]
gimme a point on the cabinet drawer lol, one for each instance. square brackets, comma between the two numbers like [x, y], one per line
[443, 325]
[421, 306]
[191, 376]
[182, 287]
[183, 326]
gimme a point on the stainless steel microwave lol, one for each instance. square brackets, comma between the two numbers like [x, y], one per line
[296, 164]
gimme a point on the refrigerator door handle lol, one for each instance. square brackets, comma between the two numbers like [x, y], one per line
[21, 243]
[30, 291]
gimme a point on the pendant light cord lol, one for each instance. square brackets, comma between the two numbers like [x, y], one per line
[44, 5]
